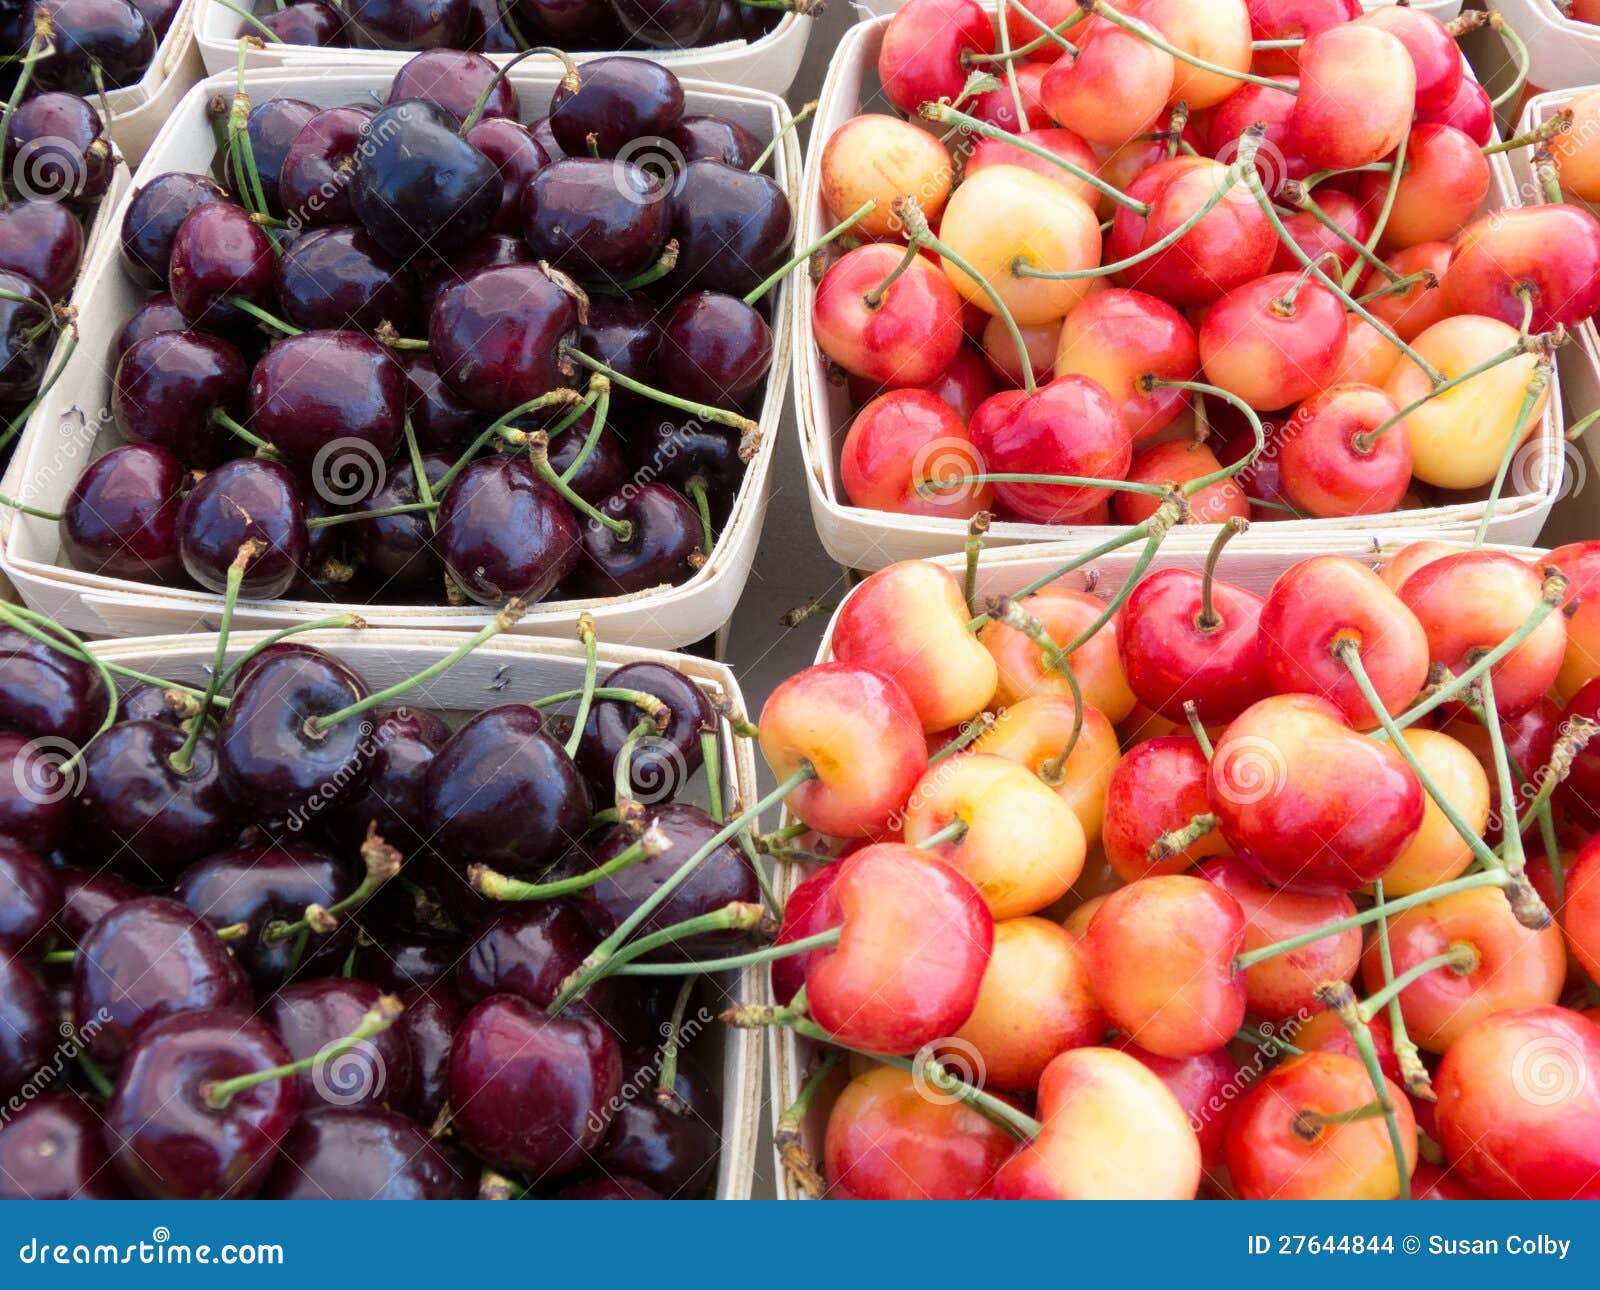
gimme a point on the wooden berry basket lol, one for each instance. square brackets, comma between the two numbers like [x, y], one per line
[138, 111]
[768, 63]
[1004, 572]
[866, 539]
[505, 670]
[74, 422]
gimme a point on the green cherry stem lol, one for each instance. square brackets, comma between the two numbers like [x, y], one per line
[1412, 1071]
[538, 443]
[500, 427]
[667, 1077]
[380, 862]
[701, 410]
[1531, 397]
[734, 961]
[1526, 903]
[1338, 998]
[786, 1133]
[591, 663]
[1353, 274]
[218, 1094]
[497, 886]
[67, 642]
[182, 760]
[336, 622]
[665, 263]
[1137, 533]
[600, 387]
[837, 231]
[799, 118]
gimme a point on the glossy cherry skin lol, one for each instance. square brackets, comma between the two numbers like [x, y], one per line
[719, 349]
[396, 551]
[121, 518]
[405, 24]
[110, 37]
[528, 951]
[418, 186]
[1550, 251]
[670, 1146]
[266, 881]
[677, 450]
[339, 277]
[42, 241]
[219, 251]
[605, 467]
[28, 1026]
[497, 336]
[715, 138]
[272, 126]
[1432, 49]
[1326, 469]
[168, 383]
[240, 500]
[733, 228]
[504, 532]
[661, 765]
[505, 793]
[391, 800]
[529, 1092]
[51, 1150]
[144, 960]
[33, 794]
[1160, 785]
[923, 49]
[23, 352]
[1118, 337]
[310, 1016]
[664, 546]
[517, 156]
[157, 314]
[618, 100]
[30, 897]
[491, 251]
[86, 896]
[429, 1025]
[59, 125]
[314, 180]
[366, 1154]
[140, 815]
[306, 22]
[455, 79]
[623, 330]
[908, 338]
[1267, 351]
[600, 220]
[1206, 1087]
[441, 420]
[166, 1141]
[44, 692]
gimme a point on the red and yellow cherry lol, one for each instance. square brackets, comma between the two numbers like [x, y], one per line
[999, 107]
[908, 621]
[878, 158]
[1207, 1087]
[905, 335]
[1411, 557]
[1580, 915]
[1274, 341]
[1530, 739]
[1214, 31]
[915, 942]
[1022, 848]
[1315, 239]
[1323, 1032]
[1331, 463]
[1172, 463]
[1050, 13]
[1068, 427]
[1061, 143]
[1061, 232]
[1519, 1105]
[1035, 1002]
[922, 58]
[1358, 92]
[1469, 602]
[1460, 436]
[1369, 356]
[1290, 20]
[1548, 255]
[1266, 106]
[1445, 180]
[899, 446]
[888, 1140]
[1114, 88]
[859, 731]
[1470, 111]
[1039, 344]
[1318, 603]
[1504, 964]
[1411, 312]
[1112, 1131]
[1076, 924]
[1288, 1142]
[1158, 788]
[1439, 853]
[1119, 338]
[1034, 731]
[1575, 152]
[1433, 51]
[1286, 986]
[1027, 670]
[1160, 955]
[1313, 805]
[1580, 561]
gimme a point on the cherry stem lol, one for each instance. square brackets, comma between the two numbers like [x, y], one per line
[768, 955]
[538, 443]
[665, 263]
[1526, 903]
[1530, 400]
[765, 155]
[1391, 191]
[667, 1076]
[711, 757]
[1126, 538]
[18, 617]
[1576, 731]
[1176, 841]
[696, 489]
[1252, 419]
[380, 513]
[644, 702]
[873, 299]
[1297, 195]
[1197, 728]
[239, 146]
[1460, 958]
[1545, 130]
[418, 469]
[1283, 306]
[738, 916]
[622, 770]
[39, 47]
[1339, 999]
[591, 663]
[509, 613]
[218, 417]
[499, 427]
[1048, 35]
[1160, 524]
[786, 1131]
[14, 428]
[838, 230]
[1150, 36]
[218, 1094]
[600, 387]
[1209, 619]
[12, 504]
[977, 526]
[381, 863]
[929, 487]
[182, 760]
[570, 81]
[1412, 1072]
[348, 622]
[1364, 441]
[1007, 612]
[1397, 286]
[497, 886]
[1520, 58]
[1009, 74]
[952, 833]
[25, 620]
[265, 32]
[701, 410]
[1544, 170]
[971, 730]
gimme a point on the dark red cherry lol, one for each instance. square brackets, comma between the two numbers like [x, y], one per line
[51, 1149]
[504, 793]
[733, 228]
[46, 693]
[275, 760]
[545, 135]
[339, 277]
[618, 100]
[26, 337]
[670, 1146]
[572, 24]
[624, 332]
[607, 1187]
[486, 30]
[662, 547]
[157, 314]
[367, 1154]
[43, 241]
[397, 551]
[504, 532]
[429, 1025]
[720, 348]
[441, 421]
[251, 498]
[60, 148]
[455, 79]
[273, 125]
[491, 251]
[140, 814]
[419, 187]
[667, 24]
[30, 899]
[517, 156]
[532, 1093]
[314, 182]
[715, 138]
[309, 1016]
[722, 878]
[28, 1026]
[217, 252]
[95, 44]
[333, 404]
[144, 960]
[600, 220]
[34, 806]
[497, 337]
[306, 22]
[87, 895]
[527, 951]
[405, 741]
[415, 959]
[405, 24]
[670, 756]
[168, 384]
[145, 702]
[166, 1139]
[675, 450]
[604, 470]
[121, 518]
[151, 222]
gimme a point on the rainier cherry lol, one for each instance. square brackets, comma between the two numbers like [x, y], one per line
[903, 335]
[1035, 731]
[1120, 337]
[1157, 789]
[1439, 853]
[1116, 86]
[1331, 462]
[1358, 93]
[1274, 341]
[901, 442]
[921, 57]
[1546, 257]
[1027, 669]
[1214, 31]
[878, 158]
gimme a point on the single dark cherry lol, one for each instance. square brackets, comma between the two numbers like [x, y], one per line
[670, 1146]
[669, 758]
[29, 1030]
[307, 22]
[95, 44]
[151, 222]
[504, 532]
[486, 30]
[314, 183]
[429, 1025]
[545, 135]
[121, 518]
[397, 551]
[274, 759]
[310, 1016]
[455, 79]
[30, 899]
[145, 702]
[60, 148]
[441, 420]
[166, 1139]
[368, 1154]
[603, 471]
[532, 1093]
[662, 547]
[720, 347]
[528, 951]
[339, 277]
[721, 879]
[414, 959]
[46, 693]
[34, 806]
[166, 387]
[155, 315]
[218, 252]
[87, 895]
[405, 741]
[597, 1187]
[623, 331]
[51, 1149]
[497, 337]
[618, 100]
[715, 138]
[144, 960]
[26, 337]
[419, 187]
[491, 251]
[572, 24]
[675, 450]
[273, 126]
[602, 221]
[503, 792]
[251, 498]
[517, 156]
[405, 24]
[42, 241]
[733, 228]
